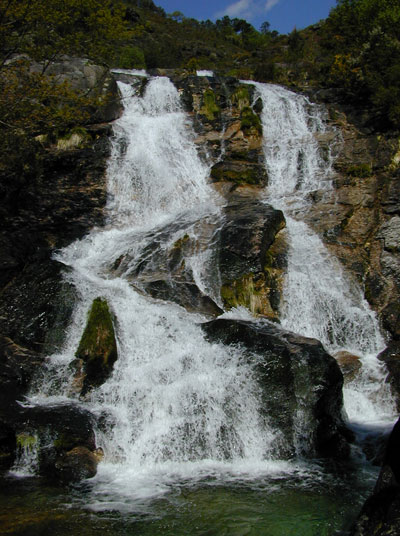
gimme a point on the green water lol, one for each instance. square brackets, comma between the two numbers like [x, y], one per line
[282, 507]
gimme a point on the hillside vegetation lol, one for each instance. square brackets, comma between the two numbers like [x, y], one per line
[356, 50]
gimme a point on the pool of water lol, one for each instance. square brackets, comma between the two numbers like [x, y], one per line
[322, 504]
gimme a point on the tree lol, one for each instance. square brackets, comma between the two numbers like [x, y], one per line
[46, 30]
[265, 28]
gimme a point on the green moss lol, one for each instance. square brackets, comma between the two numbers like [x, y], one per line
[76, 138]
[98, 347]
[181, 242]
[210, 108]
[249, 120]
[241, 97]
[249, 291]
[26, 441]
[360, 170]
[244, 176]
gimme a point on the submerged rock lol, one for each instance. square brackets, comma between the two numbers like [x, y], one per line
[301, 385]
[98, 346]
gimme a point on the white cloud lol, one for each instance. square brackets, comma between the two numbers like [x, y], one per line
[270, 4]
[247, 8]
[241, 8]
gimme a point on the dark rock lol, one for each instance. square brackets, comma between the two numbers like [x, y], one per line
[349, 364]
[294, 372]
[239, 172]
[163, 269]
[251, 256]
[391, 357]
[380, 514]
[76, 465]
[98, 346]
[36, 306]
[391, 318]
[63, 437]
[17, 366]
[184, 293]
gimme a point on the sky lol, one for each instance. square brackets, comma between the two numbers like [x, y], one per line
[283, 15]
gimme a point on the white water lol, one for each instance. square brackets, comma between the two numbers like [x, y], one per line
[176, 407]
[205, 73]
[320, 299]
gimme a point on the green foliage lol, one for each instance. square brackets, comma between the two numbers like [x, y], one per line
[31, 103]
[367, 61]
[46, 30]
[132, 57]
[360, 170]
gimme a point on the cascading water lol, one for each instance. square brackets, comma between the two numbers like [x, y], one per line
[320, 301]
[176, 405]
[179, 411]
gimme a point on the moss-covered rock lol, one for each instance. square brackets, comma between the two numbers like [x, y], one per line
[239, 172]
[250, 121]
[241, 97]
[252, 257]
[98, 346]
[210, 108]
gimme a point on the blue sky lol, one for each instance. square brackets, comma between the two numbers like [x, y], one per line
[283, 15]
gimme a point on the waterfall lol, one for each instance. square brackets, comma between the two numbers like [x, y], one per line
[319, 299]
[176, 406]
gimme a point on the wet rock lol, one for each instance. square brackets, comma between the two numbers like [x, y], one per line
[62, 437]
[76, 465]
[391, 318]
[17, 366]
[301, 385]
[349, 364]
[252, 256]
[239, 172]
[36, 307]
[164, 269]
[98, 347]
[380, 514]
[391, 357]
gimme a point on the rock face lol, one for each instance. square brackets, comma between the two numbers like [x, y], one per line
[17, 366]
[97, 350]
[252, 256]
[226, 117]
[360, 219]
[380, 514]
[62, 440]
[301, 385]
[40, 212]
[391, 357]
[91, 79]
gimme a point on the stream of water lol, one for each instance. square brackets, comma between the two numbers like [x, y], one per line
[186, 451]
